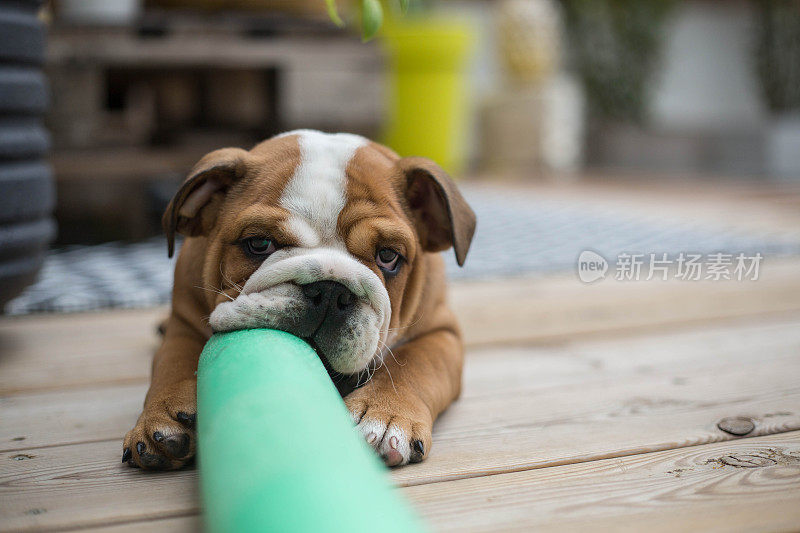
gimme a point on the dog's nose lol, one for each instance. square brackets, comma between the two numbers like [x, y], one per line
[330, 295]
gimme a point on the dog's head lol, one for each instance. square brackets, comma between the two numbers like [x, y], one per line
[318, 235]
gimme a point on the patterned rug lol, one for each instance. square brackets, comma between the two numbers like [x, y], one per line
[515, 237]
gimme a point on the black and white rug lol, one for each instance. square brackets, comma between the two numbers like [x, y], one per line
[515, 237]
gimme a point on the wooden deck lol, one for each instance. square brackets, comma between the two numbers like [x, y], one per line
[583, 407]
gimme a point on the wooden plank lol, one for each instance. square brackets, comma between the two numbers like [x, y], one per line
[76, 350]
[633, 407]
[44, 353]
[683, 489]
[521, 430]
[688, 489]
[560, 307]
[74, 487]
[121, 49]
[680, 354]
[69, 417]
[181, 524]
[106, 412]
[85, 485]
[123, 164]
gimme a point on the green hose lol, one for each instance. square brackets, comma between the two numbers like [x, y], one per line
[277, 450]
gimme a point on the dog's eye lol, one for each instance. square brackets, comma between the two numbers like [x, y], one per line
[388, 260]
[259, 246]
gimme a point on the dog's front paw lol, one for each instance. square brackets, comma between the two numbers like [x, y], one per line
[399, 429]
[163, 437]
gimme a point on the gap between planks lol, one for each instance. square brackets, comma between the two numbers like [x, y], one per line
[747, 485]
[636, 405]
[71, 351]
[449, 434]
[661, 491]
[189, 521]
[582, 495]
[105, 412]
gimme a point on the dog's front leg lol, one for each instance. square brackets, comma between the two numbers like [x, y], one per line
[396, 408]
[163, 437]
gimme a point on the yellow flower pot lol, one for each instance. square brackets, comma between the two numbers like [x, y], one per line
[427, 88]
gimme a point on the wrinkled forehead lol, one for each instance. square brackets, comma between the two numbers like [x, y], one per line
[307, 179]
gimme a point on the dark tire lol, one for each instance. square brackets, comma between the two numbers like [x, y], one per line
[22, 139]
[23, 248]
[23, 91]
[26, 192]
[21, 34]
[26, 184]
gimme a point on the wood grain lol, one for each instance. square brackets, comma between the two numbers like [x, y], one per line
[585, 422]
[566, 404]
[126, 49]
[192, 523]
[85, 349]
[553, 401]
[688, 489]
[83, 485]
[555, 308]
[69, 417]
[76, 350]
[106, 412]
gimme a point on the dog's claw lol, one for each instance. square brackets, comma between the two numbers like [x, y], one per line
[187, 420]
[418, 447]
[398, 436]
[163, 437]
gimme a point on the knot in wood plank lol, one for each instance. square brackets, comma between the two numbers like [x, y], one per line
[742, 460]
[736, 425]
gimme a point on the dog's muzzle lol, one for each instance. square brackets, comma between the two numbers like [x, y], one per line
[324, 296]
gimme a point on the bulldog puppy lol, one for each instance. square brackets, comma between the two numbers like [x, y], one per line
[332, 238]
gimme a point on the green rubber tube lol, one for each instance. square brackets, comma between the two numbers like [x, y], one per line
[277, 450]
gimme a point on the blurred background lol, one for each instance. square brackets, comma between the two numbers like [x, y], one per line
[571, 124]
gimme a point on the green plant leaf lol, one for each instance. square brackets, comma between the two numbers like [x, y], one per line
[371, 18]
[404, 6]
[333, 13]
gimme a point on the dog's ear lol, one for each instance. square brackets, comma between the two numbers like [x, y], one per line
[441, 215]
[210, 177]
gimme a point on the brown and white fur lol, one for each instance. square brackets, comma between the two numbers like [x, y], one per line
[330, 203]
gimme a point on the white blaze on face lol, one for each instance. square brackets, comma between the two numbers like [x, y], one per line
[272, 297]
[316, 193]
